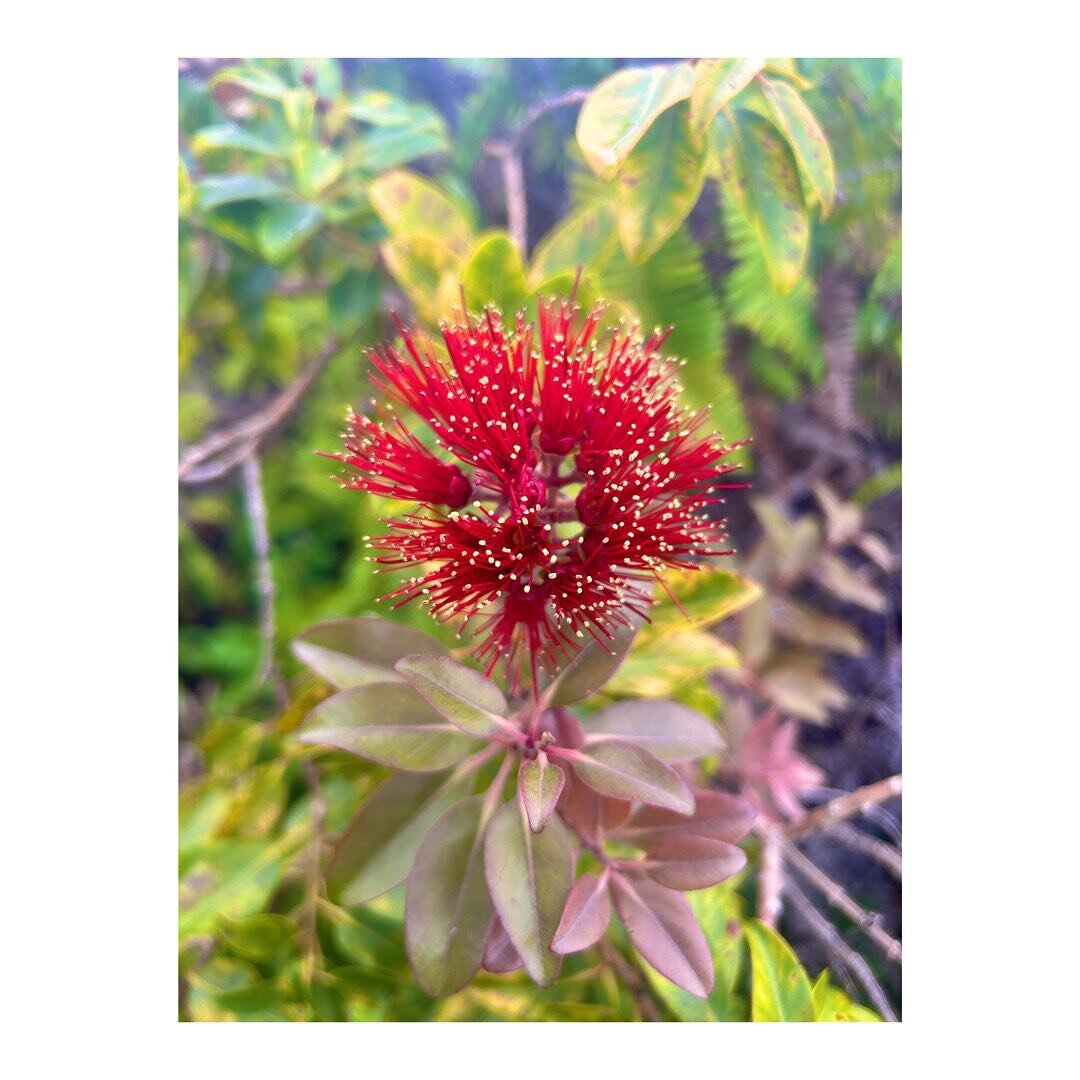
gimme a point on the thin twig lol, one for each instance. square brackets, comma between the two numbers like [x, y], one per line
[870, 846]
[846, 806]
[632, 979]
[868, 921]
[508, 153]
[841, 950]
[770, 874]
[222, 451]
[312, 951]
[255, 505]
[513, 175]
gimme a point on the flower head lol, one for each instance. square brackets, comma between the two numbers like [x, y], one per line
[569, 478]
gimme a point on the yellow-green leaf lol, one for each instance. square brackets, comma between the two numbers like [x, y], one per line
[658, 185]
[621, 109]
[409, 205]
[780, 987]
[585, 239]
[495, 275]
[716, 82]
[760, 173]
[803, 132]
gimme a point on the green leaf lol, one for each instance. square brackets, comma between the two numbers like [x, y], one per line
[585, 239]
[540, 783]
[494, 274]
[529, 875]
[658, 185]
[389, 723]
[232, 137]
[298, 105]
[376, 850]
[447, 908]
[386, 147]
[780, 988]
[254, 80]
[716, 82]
[315, 168]
[591, 668]
[623, 770]
[351, 652]
[284, 227]
[352, 298]
[214, 191]
[466, 698]
[760, 173]
[670, 731]
[409, 205]
[621, 109]
[803, 132]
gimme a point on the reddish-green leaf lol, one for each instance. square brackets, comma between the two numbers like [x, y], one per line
[670, 731]
[625, 771]
[351, 652]
[466, 698]
[529, 877]
[590, 813]
[591, 667]
[540, 784]
[664, 930]
[716, 814]
[694, 862]
[586, 916]
[389, 723]
[377, 848]
[500, 956]
[447, 908]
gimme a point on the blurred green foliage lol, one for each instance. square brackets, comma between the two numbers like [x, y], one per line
[318, 196]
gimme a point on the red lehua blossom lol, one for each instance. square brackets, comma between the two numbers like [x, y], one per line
[530, 568]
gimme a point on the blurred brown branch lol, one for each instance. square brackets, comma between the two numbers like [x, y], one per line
[508, 154]
[219, 453]
[842, 953]
[846, 806]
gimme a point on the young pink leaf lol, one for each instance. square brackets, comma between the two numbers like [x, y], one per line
[663, 929]
[694, 862]
[626, 771]
[587, 914]
[665, 728]
[540, 784]
[566, 728]
[528, 876]
[716, 814]
[447, 908]
[500, 956]
[590, 813]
